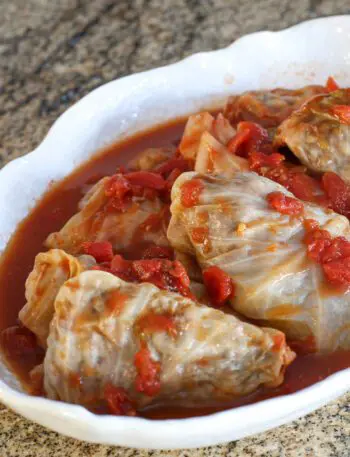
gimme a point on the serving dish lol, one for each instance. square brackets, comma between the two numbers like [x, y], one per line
[291, 58]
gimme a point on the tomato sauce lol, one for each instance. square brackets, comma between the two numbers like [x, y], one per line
[50, 214]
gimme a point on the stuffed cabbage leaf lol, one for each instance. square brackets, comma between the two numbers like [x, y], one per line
[319, 133]
[232, 226]
[268, 107]
[125, 223]
[51, 269]
[155, 345]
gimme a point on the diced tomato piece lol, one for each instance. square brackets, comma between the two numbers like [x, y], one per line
[338, 192]
[258, 139]
[153, 223]
[148, 377]
[332, 253]
[239, 139]
[158, 252]
[121, 268]
[173, 177]
[304, 187]
[146, 269]
[258, 160]
[152, 323]
[18, 341]
[148, 194]
[175, 163]
[146, 179]
[284, 204]
[163, 273]
[331, 84]
[310, 224]
[338, 271]
[118, 401]
[119, 192]
[317, 241]
[218, 284]
[150, 270]
[342, 112]
[278, 174]
[250, 137]
[190, 192]
[102, 251]
[117, 186]
[338, 249]
[179, 272]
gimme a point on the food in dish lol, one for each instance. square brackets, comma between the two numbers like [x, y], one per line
[178, 350]
[268, 107]
[244, 226]
[105, 216]
[201, 273]
[51, 270]
[318, 133]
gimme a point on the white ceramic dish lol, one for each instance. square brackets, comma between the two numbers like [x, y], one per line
[304, 54]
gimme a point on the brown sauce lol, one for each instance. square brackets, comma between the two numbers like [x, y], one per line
[50, 214]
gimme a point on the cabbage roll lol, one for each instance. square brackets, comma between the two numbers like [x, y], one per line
[268, 107]
[156, 345]
[142, 221]
[319, 133]
[51, 269]
[232, 226]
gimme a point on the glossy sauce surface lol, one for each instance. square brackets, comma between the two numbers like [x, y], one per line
[50, 214]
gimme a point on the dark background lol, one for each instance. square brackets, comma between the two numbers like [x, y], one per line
[52, 52]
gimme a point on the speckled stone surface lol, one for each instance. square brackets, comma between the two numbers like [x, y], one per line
[54, 52]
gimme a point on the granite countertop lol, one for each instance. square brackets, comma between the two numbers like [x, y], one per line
[53, 53]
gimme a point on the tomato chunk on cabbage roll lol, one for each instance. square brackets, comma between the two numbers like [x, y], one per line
[149, 345]
[287, 259]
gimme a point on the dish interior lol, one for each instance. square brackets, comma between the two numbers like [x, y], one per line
[60, 203]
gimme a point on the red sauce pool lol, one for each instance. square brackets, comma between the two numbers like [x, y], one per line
[57, 206]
